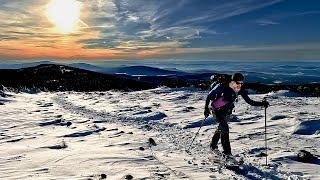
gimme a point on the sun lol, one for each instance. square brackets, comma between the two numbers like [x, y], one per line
[64, 14]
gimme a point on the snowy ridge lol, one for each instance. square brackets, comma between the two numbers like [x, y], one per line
[108, 134]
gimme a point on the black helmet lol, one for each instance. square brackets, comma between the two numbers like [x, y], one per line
[237, 77]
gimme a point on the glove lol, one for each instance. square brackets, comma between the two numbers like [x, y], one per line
[206, 112]
[265, 104]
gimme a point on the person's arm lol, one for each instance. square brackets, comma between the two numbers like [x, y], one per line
[212, 94]
[246, 97]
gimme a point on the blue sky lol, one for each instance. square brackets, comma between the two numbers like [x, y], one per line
[166, 29]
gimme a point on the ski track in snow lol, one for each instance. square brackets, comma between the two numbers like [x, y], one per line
[171, 117]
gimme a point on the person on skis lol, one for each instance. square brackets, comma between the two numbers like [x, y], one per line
[222, 98]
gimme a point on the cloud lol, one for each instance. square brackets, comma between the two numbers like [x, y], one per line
[164, 21]
[266, 22]
[138, 28]
[276, 18]
[285, 15]
[126, 20]
[238, 52]
[212, 11]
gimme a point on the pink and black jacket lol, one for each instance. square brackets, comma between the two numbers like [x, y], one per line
[223, 98]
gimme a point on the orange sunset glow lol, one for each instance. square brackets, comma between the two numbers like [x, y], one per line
[98, 29]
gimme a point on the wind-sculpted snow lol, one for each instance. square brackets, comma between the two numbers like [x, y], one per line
[51, 122]
[308, 127]
[278, 117]
[73, 135]
[4, 100]
[154, 117]
[286, 93]
[197, 124]
[85, 133]
[5, 97]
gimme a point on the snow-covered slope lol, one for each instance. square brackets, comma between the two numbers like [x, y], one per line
[72, 135]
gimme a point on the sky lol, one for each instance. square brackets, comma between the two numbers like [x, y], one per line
[166, 29]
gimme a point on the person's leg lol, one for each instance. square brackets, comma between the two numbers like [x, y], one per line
[225, 143]
[216, 135]
[215, 139]
[224, 129]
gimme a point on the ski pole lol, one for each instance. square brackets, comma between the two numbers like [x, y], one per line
[197, 133]
[265, 130]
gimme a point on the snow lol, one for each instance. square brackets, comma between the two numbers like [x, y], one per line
[286, 93]
[308, 127]
[74, 135]
[64, 70]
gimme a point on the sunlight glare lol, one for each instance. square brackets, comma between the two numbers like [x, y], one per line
[64, 14]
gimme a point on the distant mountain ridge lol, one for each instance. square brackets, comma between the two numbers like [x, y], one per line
[86, 66]
[55, 77]
[23, 65]
[148, 71]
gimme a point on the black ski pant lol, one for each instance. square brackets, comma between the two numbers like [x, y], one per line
[223, 133]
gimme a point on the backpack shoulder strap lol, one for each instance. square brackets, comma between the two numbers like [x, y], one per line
[218, 92]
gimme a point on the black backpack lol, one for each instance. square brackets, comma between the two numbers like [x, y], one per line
[221, 79]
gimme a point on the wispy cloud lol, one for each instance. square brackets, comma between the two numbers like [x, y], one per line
[266, 22]
[214, 11]
[160, 22]
[128, 28]
[119, 21]
[285, 15]
[276, 18]
[238, 52]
